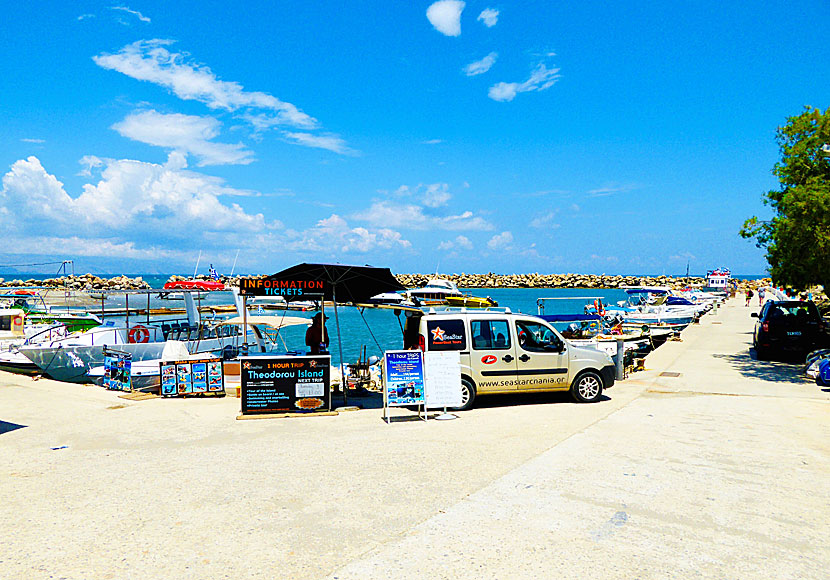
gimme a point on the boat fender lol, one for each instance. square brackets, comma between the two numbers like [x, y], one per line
[139, 334]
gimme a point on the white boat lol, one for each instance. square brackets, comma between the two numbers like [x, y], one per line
[436, 291]
[70, 358]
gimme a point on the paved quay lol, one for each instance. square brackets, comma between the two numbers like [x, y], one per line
[706, 465]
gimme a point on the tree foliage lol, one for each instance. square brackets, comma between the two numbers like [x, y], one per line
[797, 238]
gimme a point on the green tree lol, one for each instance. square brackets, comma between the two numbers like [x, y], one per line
[797, 238]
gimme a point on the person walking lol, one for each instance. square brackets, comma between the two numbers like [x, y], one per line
[317, 337]
[749, 295]
[760, 297]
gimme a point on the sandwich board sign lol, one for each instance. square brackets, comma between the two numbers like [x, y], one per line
[282, 384]
[403, 379]
[442, 372]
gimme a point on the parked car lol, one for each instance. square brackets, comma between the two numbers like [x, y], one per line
[787, 327]
[502, 352]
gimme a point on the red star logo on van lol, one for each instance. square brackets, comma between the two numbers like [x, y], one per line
[438, 334]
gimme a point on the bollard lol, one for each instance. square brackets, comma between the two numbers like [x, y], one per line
[619, 360]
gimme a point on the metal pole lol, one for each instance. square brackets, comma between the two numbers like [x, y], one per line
[127, 304]
[245, 323]
[343, 382]
[619, 360]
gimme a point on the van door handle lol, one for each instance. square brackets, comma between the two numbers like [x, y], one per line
[524, 358]
[507, 358]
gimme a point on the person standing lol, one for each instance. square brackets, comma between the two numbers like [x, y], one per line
[749, 295]
[317, 337]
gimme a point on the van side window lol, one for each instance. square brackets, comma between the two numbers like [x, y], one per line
[535, 337]
[490, 334]
[446, 334]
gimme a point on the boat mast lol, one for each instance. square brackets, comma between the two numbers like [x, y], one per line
[199, 259]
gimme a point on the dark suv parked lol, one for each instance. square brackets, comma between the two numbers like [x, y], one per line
[787, 326]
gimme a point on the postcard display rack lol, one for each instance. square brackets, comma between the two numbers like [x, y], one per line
[426, 380]
[117, 370]
[182, 378]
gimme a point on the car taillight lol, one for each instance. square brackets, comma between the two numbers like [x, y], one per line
[765, 327]
[422, 343]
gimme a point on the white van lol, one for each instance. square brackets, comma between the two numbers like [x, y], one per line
[502, 352]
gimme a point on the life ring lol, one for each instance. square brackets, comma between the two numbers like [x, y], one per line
[139, 334]
[17, 320]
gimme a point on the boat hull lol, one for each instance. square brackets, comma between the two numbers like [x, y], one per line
[71, 364]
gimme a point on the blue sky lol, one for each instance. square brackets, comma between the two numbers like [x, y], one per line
[452, 136]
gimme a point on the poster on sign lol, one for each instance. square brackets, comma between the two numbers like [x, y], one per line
[403, 377]
[117, 370]
[285, 384]
[442, 374]
[194, 376]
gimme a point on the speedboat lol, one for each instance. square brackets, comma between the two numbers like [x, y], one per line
[70, 358]
[435, 292]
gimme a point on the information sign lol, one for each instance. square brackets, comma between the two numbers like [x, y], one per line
[285, 384]
[403, 377]
[117, 370]
[442, 373]
[187, 377]
[296, 289]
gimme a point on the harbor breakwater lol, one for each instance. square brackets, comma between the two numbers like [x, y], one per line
[91, 282]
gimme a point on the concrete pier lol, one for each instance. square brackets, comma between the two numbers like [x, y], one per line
[709, 464]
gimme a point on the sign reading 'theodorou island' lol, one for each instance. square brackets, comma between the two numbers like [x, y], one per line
[285, 384]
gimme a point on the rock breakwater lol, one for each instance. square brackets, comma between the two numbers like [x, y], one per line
[536, 280]
[85, 282]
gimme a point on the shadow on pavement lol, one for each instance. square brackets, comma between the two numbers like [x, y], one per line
[771, 371]
[6, 427]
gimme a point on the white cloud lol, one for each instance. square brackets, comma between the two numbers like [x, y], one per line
[500, 241]
[133, 201]
[135, 13]
[33, 140]
[489, 16]
[185, 133]
[85, 16]
[411, 216]
[460, 242]
[333, 235]
[481, 66]
[328, 141]
[610, 189]
[436, 195]
[149, 60]
[540, 79]
[445, 16]
[544, 221]
[429, 195]
[432, 142]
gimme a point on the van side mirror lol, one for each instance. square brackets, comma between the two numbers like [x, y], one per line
[754, 315]
[554, 347]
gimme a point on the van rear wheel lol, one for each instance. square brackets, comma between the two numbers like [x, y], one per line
[468, 395]
[587, 387]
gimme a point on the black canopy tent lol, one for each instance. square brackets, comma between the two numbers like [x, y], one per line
[338, 283]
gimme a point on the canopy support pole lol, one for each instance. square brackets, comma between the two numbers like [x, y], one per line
[343, 381]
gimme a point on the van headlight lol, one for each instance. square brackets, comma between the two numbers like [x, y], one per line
[812, 370]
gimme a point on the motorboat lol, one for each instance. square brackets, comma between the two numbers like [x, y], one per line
[38, 312]
[435, 292]
[469, 301]
[199, 288]
[70, 358]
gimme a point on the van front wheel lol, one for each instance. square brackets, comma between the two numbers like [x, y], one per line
[587, 387]
[468, 395]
